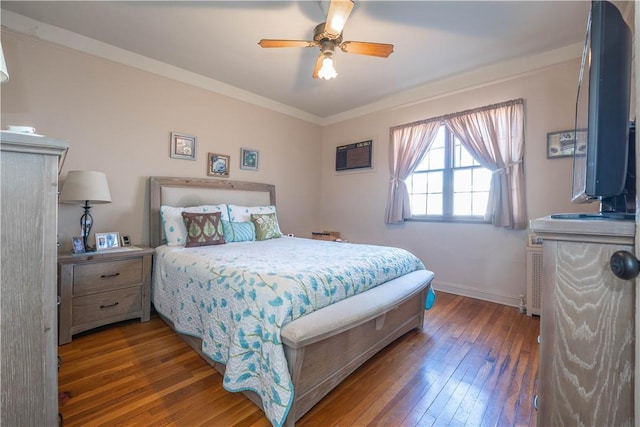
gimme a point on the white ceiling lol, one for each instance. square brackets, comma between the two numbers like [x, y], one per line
[218, 40]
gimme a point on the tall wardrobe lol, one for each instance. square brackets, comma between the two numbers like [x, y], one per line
[28, 295]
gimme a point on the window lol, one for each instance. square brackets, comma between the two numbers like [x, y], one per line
[449, 183]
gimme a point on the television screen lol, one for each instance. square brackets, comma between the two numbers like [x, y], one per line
[602, 107]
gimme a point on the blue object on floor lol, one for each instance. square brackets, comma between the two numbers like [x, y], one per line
[431, 298]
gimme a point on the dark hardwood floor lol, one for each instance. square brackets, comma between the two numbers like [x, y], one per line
[474, 364]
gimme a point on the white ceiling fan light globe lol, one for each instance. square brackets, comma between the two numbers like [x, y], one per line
[328, 70]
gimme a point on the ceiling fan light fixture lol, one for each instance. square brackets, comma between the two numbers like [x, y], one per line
[327, 36]
[328, 70]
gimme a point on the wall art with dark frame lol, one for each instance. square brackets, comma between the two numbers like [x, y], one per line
[358, 155]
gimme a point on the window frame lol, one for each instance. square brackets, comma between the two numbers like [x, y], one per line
[447, 186]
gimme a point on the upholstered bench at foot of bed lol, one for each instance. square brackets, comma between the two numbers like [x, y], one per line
[351, 332]
[324, 347]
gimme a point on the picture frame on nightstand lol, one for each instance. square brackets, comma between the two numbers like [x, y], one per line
[78, 245]
[107, 240]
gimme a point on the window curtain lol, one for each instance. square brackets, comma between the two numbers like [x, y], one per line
[409, 145]
[494, 135]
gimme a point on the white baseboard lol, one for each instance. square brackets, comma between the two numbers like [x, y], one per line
[475, 293]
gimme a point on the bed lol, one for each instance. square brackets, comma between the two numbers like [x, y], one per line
[267, 313]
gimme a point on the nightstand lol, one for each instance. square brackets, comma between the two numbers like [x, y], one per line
[103, 287]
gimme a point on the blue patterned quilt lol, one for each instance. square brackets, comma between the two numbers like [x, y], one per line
[238, 296]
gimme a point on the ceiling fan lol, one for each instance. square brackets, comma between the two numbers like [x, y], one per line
[327, 36]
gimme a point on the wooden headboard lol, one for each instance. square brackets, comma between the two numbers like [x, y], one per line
[185, 192]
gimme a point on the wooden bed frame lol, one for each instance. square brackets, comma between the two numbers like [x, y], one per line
[351, 331]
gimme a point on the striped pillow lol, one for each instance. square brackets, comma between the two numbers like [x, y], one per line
[238, 231]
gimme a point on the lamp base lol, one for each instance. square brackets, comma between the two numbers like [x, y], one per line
[86, 222]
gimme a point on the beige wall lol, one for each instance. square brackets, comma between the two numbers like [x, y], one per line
[471, 259]
[118, 120]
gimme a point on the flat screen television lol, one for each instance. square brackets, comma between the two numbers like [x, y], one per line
[604, 155]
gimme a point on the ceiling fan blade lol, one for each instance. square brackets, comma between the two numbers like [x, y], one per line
[267, 43]
[382, 50]
[337, 15]
[316, 69]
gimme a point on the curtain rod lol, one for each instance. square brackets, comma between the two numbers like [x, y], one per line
[461, 113]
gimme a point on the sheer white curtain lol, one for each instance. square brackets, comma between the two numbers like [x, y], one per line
[494, 135]
[409, 144]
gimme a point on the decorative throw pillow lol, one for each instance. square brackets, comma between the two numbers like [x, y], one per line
[239, 213]
[203, 229]
[238, 231]
[173, 224]
[266, 226]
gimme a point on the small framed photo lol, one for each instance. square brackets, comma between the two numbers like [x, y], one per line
[107, 240]
[218, 165]
[78, 245]
[126, 241]
[183, 146]
[563, 143]
[249, 159]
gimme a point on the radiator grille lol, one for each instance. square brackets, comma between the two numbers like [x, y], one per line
[534, 280]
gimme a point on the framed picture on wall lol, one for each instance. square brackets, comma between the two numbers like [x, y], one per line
[249, 159]
[183, 146]
[563, 143]
[218, 165]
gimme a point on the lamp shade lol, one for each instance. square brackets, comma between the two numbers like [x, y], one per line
[4, 74]
[82, 186]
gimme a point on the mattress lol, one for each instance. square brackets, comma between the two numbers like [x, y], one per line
[237, 297]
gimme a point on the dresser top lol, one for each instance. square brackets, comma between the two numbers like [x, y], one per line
[601, 230]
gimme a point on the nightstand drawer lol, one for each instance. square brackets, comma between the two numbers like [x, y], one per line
[95, 310]
[95, 277]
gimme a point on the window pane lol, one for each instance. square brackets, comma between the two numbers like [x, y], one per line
[462, 204]
[434, 204]
[434, 182]
[462, 181]
[419, 184]
[418, 204]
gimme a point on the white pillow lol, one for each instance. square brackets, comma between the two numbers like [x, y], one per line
[173, 225]
[243, 213]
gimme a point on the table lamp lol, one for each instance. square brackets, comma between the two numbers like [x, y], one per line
[86, 187]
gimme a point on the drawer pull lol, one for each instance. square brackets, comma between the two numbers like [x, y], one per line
[109, 305]
[106, 276]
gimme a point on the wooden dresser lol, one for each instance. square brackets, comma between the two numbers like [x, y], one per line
[103, 287]
[587, 333]
[28, 300]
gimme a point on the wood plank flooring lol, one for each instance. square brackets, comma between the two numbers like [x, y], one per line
[474, 364]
